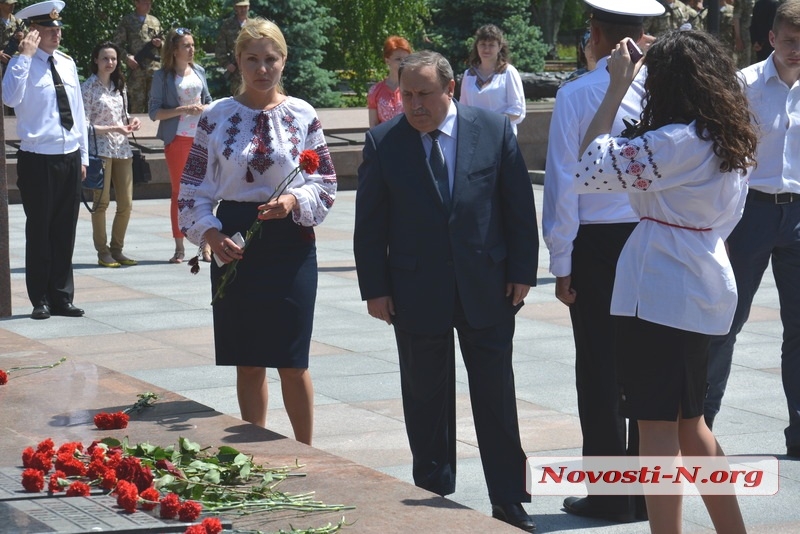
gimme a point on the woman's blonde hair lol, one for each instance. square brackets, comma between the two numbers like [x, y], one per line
[168, 48]
[260, 28]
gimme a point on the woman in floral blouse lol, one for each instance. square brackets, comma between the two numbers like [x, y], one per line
[104, 103]
[243, 149]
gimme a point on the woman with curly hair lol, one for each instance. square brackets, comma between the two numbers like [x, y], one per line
[491, 82]
[684, 167]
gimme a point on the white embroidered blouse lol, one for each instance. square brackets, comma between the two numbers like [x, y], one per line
[502, 93]
[242, 154]
[674, 269]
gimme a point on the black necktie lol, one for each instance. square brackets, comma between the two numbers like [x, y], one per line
[64, 110]
[439, 167]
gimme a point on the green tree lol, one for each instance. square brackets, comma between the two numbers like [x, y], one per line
[306, 25]
[356, 46]
[89, 22]
[455, 22]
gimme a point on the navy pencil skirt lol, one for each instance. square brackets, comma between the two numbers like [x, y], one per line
[266, 316]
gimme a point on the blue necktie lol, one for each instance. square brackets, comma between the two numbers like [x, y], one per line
[439, 167]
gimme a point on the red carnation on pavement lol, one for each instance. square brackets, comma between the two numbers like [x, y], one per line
[46, 446]
[111, 421]
[72, 466]
[3, 378]
[70, 448]
[212, 525]
[127, 496]
[189, 511]
[195, 529]
[170, 504]
[32, 480]
[78, 489]
[109, 481]
[27, 456]
[57, 482]
[42, 461]
[132, 470]
[149, 498]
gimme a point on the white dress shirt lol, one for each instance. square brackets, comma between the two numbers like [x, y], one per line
[564, 210]
[776, 107]
[674, 269]
[28, 88]
[502, 94]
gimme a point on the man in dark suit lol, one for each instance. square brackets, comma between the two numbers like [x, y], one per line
[446, 238]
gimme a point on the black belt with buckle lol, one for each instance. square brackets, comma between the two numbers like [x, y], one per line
[774, 198]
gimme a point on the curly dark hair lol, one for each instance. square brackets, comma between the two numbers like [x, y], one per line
[490, 32]
[690, 77]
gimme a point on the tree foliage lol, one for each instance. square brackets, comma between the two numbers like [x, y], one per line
[455, 22]
[306, 25]
[356, 44]
[89, 22]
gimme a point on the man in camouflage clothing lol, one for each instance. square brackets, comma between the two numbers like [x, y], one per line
[698, 13]
[226, 43]
[675, 15]
[742, 14]
[726, 34]
[136, 30]
[10, 26]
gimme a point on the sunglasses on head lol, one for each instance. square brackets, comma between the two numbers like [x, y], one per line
[180, 32]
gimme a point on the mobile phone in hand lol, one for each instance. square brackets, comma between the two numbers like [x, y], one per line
[236, 238]
[634, 51]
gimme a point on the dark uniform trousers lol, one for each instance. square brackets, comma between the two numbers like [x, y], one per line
[428, 381]
[49, 186]
[596, 250]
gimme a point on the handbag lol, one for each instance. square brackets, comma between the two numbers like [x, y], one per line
[141, 167]
[95, 172]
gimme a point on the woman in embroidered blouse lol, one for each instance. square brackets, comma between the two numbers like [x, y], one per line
[383, 100]
[244, 148]
[178, 95]
[684, 168]
[491, 82]
[104, 105]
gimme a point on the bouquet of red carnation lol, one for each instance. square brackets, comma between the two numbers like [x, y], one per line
[309, 163]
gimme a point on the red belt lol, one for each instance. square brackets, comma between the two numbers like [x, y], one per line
[676, 225]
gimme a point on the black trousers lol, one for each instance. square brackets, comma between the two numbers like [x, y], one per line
[427, 374]
[596, 250]
[49, 186]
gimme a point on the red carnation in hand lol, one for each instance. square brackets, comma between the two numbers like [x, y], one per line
[189, 511]
[212, 525]
[309, 161]
[3, 378]
[57, 482]
[32, 480]
[149, 498]
[127, 496]
[78, 489]
[170, 504]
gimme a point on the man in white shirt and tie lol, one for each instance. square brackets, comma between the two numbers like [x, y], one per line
[42, 85]
[770, 225]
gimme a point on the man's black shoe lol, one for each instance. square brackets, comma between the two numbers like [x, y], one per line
[40, 312]
[793, 451]
[584, 507]
[515, 515]
[67, 310]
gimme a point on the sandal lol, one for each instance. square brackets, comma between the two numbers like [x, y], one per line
[177, 257]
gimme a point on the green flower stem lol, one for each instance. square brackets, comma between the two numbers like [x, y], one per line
[50, 366]
[230, 272]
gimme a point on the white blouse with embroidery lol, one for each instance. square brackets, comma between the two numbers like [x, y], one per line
[242, 154]
[502, 93]
[674, 269]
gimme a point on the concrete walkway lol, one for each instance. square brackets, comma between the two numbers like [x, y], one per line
[153, 322]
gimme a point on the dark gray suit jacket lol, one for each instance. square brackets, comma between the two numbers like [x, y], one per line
[410, 247]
